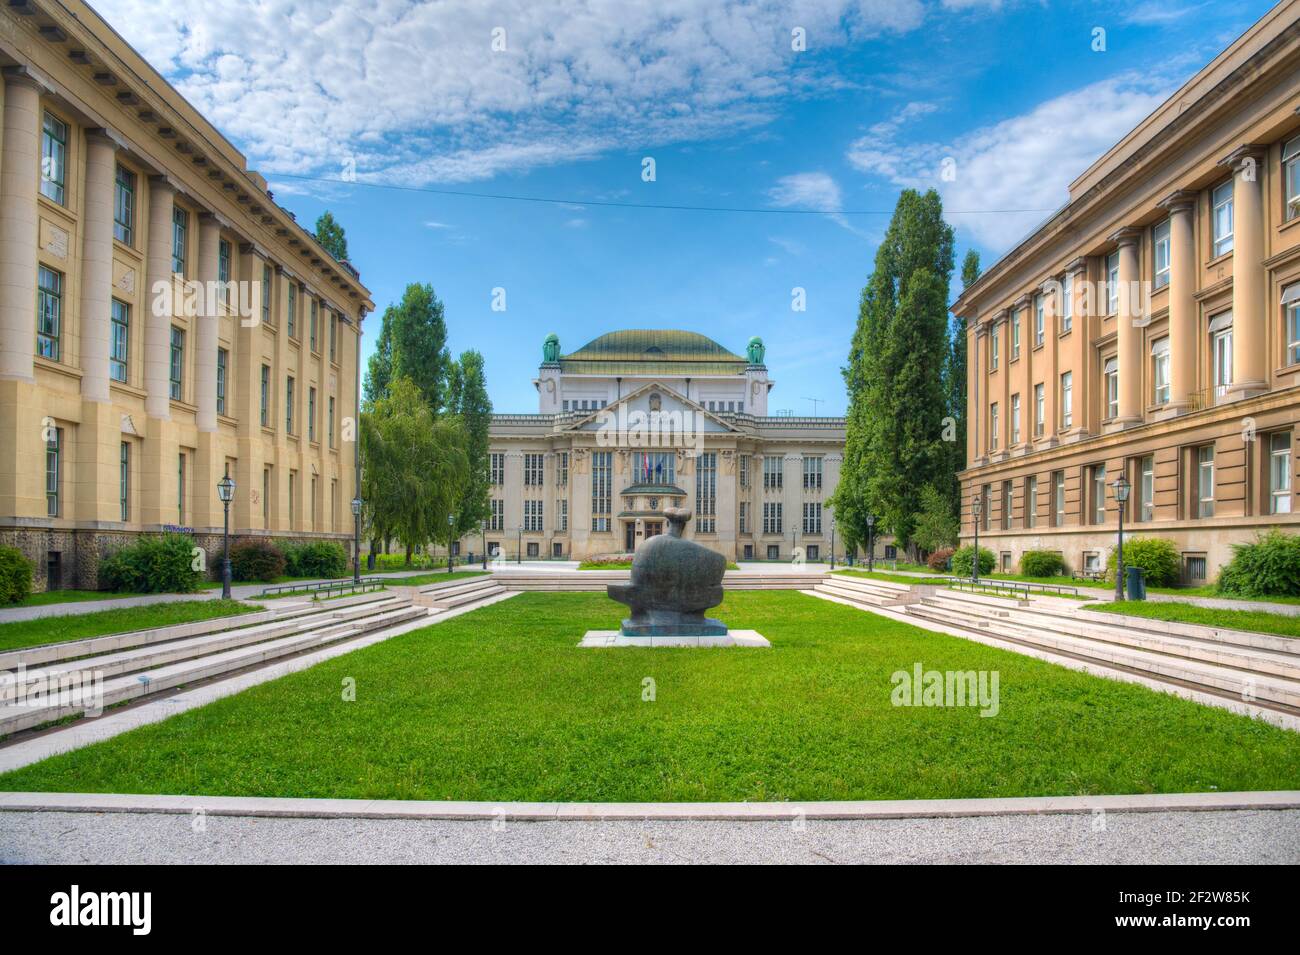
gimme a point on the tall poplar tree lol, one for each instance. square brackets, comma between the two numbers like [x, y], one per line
[472, 406]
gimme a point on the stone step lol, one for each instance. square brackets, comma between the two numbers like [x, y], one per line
[441, 601]
[15, 717]
[856, 594]
[459, 586]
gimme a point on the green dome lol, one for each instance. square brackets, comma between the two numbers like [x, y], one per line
[653, 351]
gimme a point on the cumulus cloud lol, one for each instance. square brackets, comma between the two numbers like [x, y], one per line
[807, 190]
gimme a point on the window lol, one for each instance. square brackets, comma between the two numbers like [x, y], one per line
[497, 518]
[288, 404]
[1291, 178]
[812, 473]
[744, 468]
[496, 468]
[293, 310]
[993, 426]
[266, 295]
[602, 473]
[180, 488]
[1160, 251]
[176, 363]
[653, 467]
[773, 551]
[1279, 473]
[1098, 493]
[994, 344]
[1040, 410]
[561, 515]
[1031, 501]
[561, 468]
[1040, 323]
[1092, 562]
[53, 472]
[706, 492]
[1221, 350]
[334, 505]
[1111, 374]
[1112, 284]
[1015, 420]
[532, 516]
[533, 465]
[1058, 498]
[315, 319]
[1194, 567]
[1146, 488]
[124, 481]
[1008, 503]
[744, 517]
[1015, 336]
[772, 517]
[330, 431]
[223, 271]
[1291, 307]
[119, 343]
[1205, 481]
[266, 497]
[266, 396]
[1221, 200]
[180, 226]
[54, 158]
[986, 495]
[1160, 370]
[812, 518]
[293, 481]
[124, 206]
[223, 362]
[49, 313]
[772, 479]
[1067, 303]
[311, 414]
[1067, 400]
[334, 336]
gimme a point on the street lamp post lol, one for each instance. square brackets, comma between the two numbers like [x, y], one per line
[482, 526]
[356, 540]
[1121, 489]
[451, 524]
[871, 542]
[226, 492]
[977, 507]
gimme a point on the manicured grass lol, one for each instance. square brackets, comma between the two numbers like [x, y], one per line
[626, 565]
[418, 580]
[881, 575]
[29, 633]
[1257, 620]
[45, 598]
[500, 704]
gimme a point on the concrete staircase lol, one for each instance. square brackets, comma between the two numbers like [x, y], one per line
[1259, 668]
[452, 594]
[60, 680]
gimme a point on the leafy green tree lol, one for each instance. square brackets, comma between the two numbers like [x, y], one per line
[379, 370]
[331, 236]
[936, 524]
[954, 384]
[473, 409]
[419, 335]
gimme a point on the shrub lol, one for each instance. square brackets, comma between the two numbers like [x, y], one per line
[1157, 557]
[398, 561]
[153, 565]
[939, 559]
[314, 559]
[1267, 567]
[962, 557]
[1042, 563]
[256, 560]
[15, 576]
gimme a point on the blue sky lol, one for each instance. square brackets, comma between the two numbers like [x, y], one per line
[414, 96]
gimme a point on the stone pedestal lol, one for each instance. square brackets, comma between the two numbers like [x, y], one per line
[732, 638]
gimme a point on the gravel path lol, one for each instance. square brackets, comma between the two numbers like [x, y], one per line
[1240, 836]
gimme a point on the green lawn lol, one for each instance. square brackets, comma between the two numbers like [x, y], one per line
[30, 633]
[1256, 620]
[500, 704]
[883, 575]
[47, 597]
[419, 580]
[626, 565]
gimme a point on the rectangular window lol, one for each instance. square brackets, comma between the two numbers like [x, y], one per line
[1015, 420]
[772, 477]
[995, 341]
[1067, 400]
[119, 346]
[180, 488]
[1291, 178]
[993, 426]
[124, 481]
[176, 364]
[49, 313]
[497, 520]
[1008, 504]
[1221, 349]
[1058, 498]
[1040, 410]
[1031, 502]
[1111, 374]
[812, 473]
[1147, 488]
[1160, 370]
[53, 472]
[744, 517]
[223, 362]
[744, 466]
[986, 495]
[1221, 200]
[180, 228]
[315, 318]
[1040, 321]
[1112, 284]
[124, 206]
[772, 523]
[1205, 481]
[223, 271]
[330, 431]
[496, 468]
[292, 320]
[266, 295]
[1015, 336]
[1067, 302]
[266, 396]
[561, 515]
[311, 414]
[334, 336]
[706, 492]
[562, 468]
[653, 467]
[1279, 473]
[532, 516]
[288, 404]
[812, 518]
[1291, 307]
[293, 480]
[533, 470]
[602, 483]
[266, 497]
[1098, 493]
[54, 158]
[1160, 246]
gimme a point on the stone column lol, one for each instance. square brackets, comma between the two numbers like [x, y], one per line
[158, 276]
[1127, 332]
[97, 264]
[1182, 300]
[1249, 316]
[19, 174]
[205, 326]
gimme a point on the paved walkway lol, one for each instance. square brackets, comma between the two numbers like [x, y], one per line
[1172, 838]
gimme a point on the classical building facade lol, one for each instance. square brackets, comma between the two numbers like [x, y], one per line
[1151, 328]
[163, 322]
[636, 421]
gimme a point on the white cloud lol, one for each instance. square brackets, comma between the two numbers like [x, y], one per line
[1153, 13]
[807, 190]
[1023, 163]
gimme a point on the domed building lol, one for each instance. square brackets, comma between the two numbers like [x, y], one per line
[639, 420]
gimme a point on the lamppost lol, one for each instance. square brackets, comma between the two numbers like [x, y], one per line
[356, 540]
[451, 524]
[226, 491]
[519, 544]
[871, 542]
[482, 526]
[1121, 489]
[977, 507]
[832, 543]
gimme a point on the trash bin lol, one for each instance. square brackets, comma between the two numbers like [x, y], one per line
[1137, 585]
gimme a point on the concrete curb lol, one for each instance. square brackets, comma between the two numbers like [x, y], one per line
[589, 811]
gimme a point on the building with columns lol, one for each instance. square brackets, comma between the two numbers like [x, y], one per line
[163, 321]
[639, 420]
[1151, 329]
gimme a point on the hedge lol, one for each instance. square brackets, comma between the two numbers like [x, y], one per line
[1042, 563]
[962, 559]
[258, 560]
[1157, 557]
[165, 563]
[15, 576]
[1267, 567]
